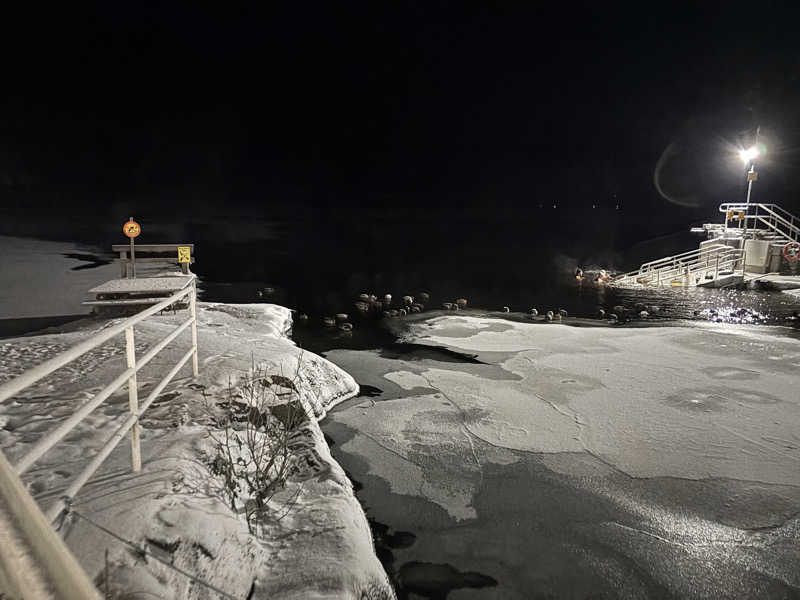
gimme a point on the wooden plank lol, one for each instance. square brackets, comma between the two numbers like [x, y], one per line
[144, 285]
[124, 302]
[151, 247]
[161, 260]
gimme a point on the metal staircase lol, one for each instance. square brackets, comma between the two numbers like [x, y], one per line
[765, 221]
[720, 261]
[713, 265]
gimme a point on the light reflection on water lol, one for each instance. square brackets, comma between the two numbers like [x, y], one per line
[718, 305]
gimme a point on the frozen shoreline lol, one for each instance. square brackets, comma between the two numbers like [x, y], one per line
[320, 547]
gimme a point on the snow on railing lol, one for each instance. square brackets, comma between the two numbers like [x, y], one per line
[51, 555]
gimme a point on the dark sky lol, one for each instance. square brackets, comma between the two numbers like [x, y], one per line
[421, 105]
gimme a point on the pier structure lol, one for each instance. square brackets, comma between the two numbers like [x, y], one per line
[130, 291]
[755, 242]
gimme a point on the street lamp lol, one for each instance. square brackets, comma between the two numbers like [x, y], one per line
[749, 156]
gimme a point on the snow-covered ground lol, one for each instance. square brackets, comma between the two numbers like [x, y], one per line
[571, 461]
[316, 545]
[43, 279]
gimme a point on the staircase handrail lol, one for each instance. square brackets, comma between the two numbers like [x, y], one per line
[700, 260]
[683, 255]
[778, 214]
[669, 260]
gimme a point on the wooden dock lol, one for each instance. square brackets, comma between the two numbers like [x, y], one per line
[146, 290]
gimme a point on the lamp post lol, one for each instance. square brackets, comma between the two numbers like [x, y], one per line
[749, 157]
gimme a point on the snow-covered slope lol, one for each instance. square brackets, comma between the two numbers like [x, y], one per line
[317, 543]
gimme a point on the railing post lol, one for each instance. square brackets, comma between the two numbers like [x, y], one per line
[193, 309]
[133, 402]
[716, 269]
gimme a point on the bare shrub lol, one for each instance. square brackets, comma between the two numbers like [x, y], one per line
[251, 429]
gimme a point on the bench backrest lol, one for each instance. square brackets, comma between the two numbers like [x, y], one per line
[163, 253]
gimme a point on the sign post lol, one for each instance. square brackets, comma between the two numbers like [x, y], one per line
[132, 229]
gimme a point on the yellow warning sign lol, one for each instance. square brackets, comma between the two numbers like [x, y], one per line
[184, 254]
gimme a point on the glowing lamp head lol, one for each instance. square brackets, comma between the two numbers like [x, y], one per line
[749, 155]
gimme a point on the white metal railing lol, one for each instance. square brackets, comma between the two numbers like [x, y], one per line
[769, 217]
[687, 269]
[678, 258]
[22, 503]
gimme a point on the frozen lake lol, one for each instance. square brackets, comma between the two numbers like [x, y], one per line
[574, 462]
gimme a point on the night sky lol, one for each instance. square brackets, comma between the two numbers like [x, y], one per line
[432, 113]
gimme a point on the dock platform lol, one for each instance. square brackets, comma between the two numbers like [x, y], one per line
[145, 290]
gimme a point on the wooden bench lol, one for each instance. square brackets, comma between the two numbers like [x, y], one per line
[164, 253]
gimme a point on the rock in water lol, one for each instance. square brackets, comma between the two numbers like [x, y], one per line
[506, 309]
[461, 303]
[601, 313]
[424, 297]
[341, 317]
[533, 312]
[563, 313]
[643, 314]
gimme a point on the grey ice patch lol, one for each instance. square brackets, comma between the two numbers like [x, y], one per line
[469, 330]
[697, 401]
[750, 397]
[734, 373]
[716, 399]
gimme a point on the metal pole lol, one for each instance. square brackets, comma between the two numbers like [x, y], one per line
[133, 256]
[750, 181]
[133, 402]
[193, 309]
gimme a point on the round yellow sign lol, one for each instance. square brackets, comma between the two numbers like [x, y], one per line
[131, 229]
